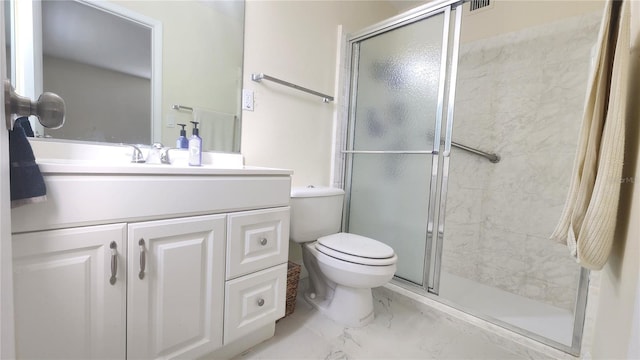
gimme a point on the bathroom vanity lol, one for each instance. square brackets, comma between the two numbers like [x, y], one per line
[150, 261]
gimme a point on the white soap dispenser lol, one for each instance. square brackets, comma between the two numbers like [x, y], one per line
[195, 146]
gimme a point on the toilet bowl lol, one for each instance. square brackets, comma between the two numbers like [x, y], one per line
[342, 267]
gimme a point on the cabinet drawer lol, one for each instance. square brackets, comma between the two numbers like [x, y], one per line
[253, 301]
[256, 240]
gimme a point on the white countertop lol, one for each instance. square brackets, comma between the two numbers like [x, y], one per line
[60, 157]
[66, 166]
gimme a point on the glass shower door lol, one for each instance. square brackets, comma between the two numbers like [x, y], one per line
[396, 112]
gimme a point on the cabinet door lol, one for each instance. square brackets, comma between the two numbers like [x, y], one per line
[66, 305]
[176, 284]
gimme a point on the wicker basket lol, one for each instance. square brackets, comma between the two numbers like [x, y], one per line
[293, 275]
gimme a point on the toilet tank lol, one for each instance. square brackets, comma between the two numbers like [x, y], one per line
[315, 212]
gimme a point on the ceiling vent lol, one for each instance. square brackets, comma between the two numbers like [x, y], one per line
[475, 5]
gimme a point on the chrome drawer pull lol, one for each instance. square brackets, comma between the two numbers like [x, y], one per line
[260, 302]
[142, 259]
[114, 262]
[263, 241]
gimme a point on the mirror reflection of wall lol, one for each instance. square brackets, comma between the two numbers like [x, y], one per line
[101, 66]
[196, 54]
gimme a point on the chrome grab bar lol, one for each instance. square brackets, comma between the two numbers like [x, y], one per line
[259, 77]
[494, 158]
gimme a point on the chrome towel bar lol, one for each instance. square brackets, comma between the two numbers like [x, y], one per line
[181, 107]
[260, 77]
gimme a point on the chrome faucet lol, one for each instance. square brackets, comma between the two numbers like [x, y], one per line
[164, 156]
[158, 154]
[136, 156]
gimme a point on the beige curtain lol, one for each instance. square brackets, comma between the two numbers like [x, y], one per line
[588, 220]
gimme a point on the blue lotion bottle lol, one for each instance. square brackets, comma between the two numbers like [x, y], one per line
[195, 146]
[182, 142]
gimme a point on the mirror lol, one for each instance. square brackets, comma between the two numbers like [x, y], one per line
[122, 66]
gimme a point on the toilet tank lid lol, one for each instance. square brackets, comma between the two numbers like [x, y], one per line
[312, 191]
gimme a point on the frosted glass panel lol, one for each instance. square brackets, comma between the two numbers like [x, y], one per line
[396, 110]
[389, 197]
[398, 77]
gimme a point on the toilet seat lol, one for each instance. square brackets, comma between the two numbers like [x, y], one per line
[356, 249]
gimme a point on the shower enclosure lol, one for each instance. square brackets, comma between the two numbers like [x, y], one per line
[458, 150]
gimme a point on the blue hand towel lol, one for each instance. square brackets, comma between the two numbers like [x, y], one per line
[24, 123]
[27, 183]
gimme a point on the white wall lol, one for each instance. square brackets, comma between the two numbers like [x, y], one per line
[297, 42]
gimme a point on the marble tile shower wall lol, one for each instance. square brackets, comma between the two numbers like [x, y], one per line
[520, 95]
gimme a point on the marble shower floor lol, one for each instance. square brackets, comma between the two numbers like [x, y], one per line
[399, 331]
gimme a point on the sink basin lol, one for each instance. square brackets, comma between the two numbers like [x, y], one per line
[74, 157]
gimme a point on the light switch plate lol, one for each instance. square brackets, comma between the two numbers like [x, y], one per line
[247, 99]
[171, 120]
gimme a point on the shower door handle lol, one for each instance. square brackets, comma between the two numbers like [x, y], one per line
[49, 108]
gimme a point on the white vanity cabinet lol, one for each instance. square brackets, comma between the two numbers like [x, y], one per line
[175, 293]
[198, 274]
[66, 304]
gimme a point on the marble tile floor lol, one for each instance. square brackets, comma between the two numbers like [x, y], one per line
[399, 331]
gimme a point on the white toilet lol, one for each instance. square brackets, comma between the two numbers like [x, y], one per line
[342, 267]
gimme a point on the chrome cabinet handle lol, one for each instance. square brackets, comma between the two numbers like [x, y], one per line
[263, 241]
[143, 259]
[114, 262]
[260, 302]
